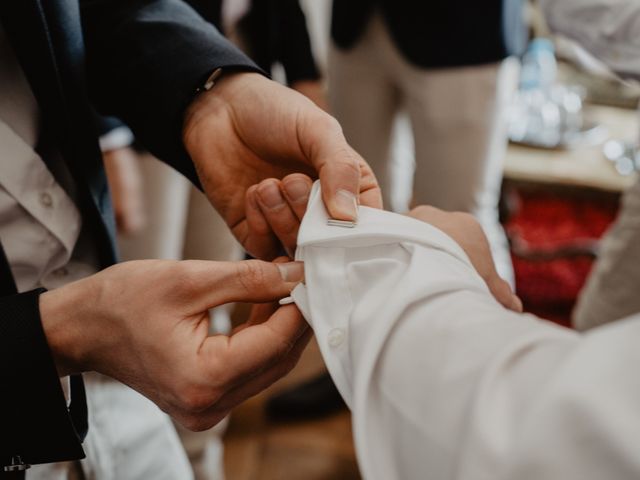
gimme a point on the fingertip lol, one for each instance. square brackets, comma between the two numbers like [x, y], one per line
[291, 272]
[342, 205]
[516, 304]
[269, 195]
[340, 179]
[297, 187]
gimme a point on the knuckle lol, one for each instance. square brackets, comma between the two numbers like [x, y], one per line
[185, 276]
[466, 218]
[195, 399]
[195, 423]
[327, 122]
[288, 365]
[347, 160]
[422, 210]
[251, 275]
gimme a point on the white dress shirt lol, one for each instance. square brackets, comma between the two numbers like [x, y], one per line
[445, 383]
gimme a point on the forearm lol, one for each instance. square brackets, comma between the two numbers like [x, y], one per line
[462, 388]
[609, 29]
[455, 381]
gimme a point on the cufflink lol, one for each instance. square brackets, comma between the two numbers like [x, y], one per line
[332, 222]
[17, 465]
[210, 81]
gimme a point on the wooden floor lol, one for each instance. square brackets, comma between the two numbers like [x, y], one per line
[257, 449]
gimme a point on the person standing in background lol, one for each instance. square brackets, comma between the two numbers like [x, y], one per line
[447, 65]
[443, 63]
[271, 32]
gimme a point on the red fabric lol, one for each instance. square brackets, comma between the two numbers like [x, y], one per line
[546, 221]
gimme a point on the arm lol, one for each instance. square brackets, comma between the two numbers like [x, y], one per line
[145, 59]
[445, 382]
[463, 388]
[609, 29]
[150, 335]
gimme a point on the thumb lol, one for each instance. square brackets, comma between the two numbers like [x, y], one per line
[251, 281]
[338, 165]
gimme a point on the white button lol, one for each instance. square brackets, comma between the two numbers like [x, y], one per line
[336, 337]
[46, 199]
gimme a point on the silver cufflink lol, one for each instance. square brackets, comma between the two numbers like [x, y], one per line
[210, 81]
[332, 222]
[17, 465]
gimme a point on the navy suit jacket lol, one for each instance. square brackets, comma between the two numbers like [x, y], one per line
[438, 33]
[139, 60]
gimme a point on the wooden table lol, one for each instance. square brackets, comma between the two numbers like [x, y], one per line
[579, 167]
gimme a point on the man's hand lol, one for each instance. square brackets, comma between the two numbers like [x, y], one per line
[467, 232]
[248, 128]
[146, 324]
[292, 194]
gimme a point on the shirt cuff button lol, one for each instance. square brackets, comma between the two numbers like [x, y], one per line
[46, 199]
[336, 337]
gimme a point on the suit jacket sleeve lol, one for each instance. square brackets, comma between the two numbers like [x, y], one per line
[33, 409]
[145, 59]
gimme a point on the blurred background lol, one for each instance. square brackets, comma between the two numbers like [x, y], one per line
[481, 110]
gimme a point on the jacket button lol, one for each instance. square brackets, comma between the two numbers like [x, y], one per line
[17, 465]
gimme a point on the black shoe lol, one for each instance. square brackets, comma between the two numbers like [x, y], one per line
[312, 399]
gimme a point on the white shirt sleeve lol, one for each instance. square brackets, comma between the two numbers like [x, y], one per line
[443, 382]
[608, 29]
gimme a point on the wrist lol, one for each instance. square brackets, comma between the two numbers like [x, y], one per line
[214, 103]
[60, 311]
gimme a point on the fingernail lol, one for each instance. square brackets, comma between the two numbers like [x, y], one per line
[292, 271]
[347, 205]
[270, 195]
[516, 304]
[297, 190]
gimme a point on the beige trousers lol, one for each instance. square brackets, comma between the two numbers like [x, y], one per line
[182, 224]
[458, 121]
[612, 291]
